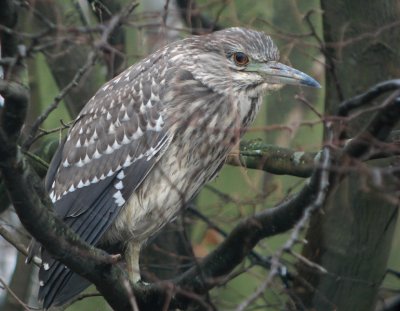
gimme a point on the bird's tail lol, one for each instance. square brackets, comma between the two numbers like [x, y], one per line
[58, 284]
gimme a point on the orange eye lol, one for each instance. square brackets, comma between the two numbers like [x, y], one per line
[240, 58]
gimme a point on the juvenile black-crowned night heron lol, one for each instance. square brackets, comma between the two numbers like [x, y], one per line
[151, 138]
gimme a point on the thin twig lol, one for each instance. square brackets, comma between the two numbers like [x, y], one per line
[90, 62]
[304, 100]
[131, 296]
[307, 262]
[165, 13]
[81, 297]
[255, 258]
[23, 304]
[10, 238]
[323, 188]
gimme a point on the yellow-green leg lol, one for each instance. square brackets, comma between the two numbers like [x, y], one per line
[132, 260]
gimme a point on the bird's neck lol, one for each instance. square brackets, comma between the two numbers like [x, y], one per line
[248, 108]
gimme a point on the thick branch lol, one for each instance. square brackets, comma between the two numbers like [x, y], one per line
[365, 98]
[39, 219]
[273, 159]
[8, 41]
[98, 267]
[247, 234]
[378, 130]
[12, 116]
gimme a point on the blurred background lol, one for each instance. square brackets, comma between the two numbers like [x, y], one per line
[56, 39]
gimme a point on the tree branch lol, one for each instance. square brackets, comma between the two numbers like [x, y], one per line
[10, 238]
[99, 267]
[276, 160]
[365, 98]
[378, 129]
[37, 216]
[23, 305]
[247, 234]
[100, 46]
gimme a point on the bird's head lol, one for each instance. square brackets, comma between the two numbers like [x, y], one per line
[239, 59]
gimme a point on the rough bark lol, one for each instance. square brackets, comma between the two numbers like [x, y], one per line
[352, 238]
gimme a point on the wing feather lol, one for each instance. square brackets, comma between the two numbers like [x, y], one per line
[111, 148]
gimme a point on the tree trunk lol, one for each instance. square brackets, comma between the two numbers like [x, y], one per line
[351, 239]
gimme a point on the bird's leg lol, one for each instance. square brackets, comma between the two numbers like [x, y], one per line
[132, 260]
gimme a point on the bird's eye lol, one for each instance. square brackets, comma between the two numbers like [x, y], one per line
[240, 58]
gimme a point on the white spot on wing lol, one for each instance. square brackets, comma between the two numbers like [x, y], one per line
[115, 145]
[87, 159]
[154, 97]
[119, 185]
[52, 197]
[109, 150]
[72, 188]
[80, 184]
[110, 173]
[46, 266]
[66, 163]
[125, 140]
[80, 163]
[125, 117]
[86, 143]
[96, 154]
[158, 126]
[119, 200]
[111, 129]
[121, 175]
[95, 135]
[137, 134]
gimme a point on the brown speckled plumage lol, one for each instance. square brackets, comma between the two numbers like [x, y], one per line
[148, 140]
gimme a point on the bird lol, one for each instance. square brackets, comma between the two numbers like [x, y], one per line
[150, 138]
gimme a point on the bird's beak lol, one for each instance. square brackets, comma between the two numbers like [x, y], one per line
[278, 73]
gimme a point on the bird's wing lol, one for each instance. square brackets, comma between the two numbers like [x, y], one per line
[115, 142]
